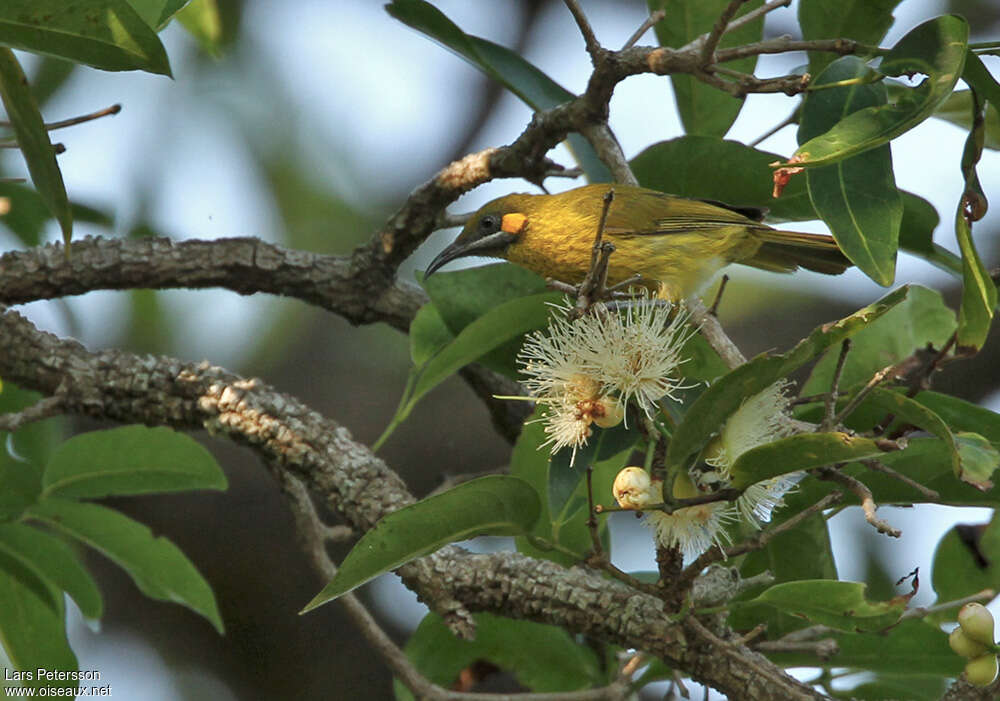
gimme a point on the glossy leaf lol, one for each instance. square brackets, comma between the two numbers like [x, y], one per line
[542, 658]
[506, 67]
[704, 109]
[462, 296]
[800, 452]
[602, 444]
[33, 634]
[979, 459]
[109, 35]
[689, 166]
[839, 605]
[495, 505]
[157, 13]
[936, 49]
[33, 140]
[55, 562]
[865, 21]
[130, 460]
[202, 20]
[156, 565]
[720, 400]
[856, 197]
[28, 213]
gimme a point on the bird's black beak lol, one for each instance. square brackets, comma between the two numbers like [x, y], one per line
[491, 246]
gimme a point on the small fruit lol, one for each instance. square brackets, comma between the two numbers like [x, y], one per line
[965, 646]
[609, 412]
[977, 623]
[634, 489]
[982, 670]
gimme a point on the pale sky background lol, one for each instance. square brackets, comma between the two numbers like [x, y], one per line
[386, 116]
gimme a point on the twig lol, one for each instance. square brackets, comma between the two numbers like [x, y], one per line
[73, 121]
[876, 380]
[793, 118]
[593, 46]
[749, 17]
[862, 492]
[714, 309]
[44, 408]
[784, 44]
[643, 28]
[713, 333]
[595, 282]
[823, 649]
[984, 596]
[758, 541]
[718, 29]
[877, 466]
[830, 403]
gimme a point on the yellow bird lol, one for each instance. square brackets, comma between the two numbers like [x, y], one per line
[673, 242]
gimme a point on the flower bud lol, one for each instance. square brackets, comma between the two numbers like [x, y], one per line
[634, 489]
[977, 623]
[982, 670]
[608, 411]
[965, 646]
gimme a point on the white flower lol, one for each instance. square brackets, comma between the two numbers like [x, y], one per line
[761, 419]
[584, 370]
[692, 530]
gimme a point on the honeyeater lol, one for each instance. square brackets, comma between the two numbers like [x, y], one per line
[674, 243]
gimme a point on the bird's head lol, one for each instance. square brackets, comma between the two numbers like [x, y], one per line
[488, 232]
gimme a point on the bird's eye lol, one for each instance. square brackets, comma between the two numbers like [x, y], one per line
[489, 224]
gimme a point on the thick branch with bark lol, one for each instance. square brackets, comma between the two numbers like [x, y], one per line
[291, 438]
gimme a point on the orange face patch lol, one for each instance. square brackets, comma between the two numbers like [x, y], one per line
[513, 223]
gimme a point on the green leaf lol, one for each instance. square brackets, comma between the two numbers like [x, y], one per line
[561, 520]
[602, 444]
[157, 566]
[962, 415]
[506, 67]
[966, 561]
[705, 110]
[32, 632]
[55, 562]
[957, 109]
[922, 318]
[979, 459]
[936, 49]
[130, 460]
[428, 334]
[202, 20]
[495, 505]
[109, 35]
[462, 296]
[856, 197]
[33, 140]
[157, 13]
[840, 605]
[506, 322]
[912, 645]
[689, 166]
[803, 552]
[542, 658]
[800, 452]
[928, 461]
[916, 234]
[865, 21]
[712, 408]
[979, 294]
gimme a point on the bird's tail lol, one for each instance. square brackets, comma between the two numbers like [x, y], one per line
[785, 251]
